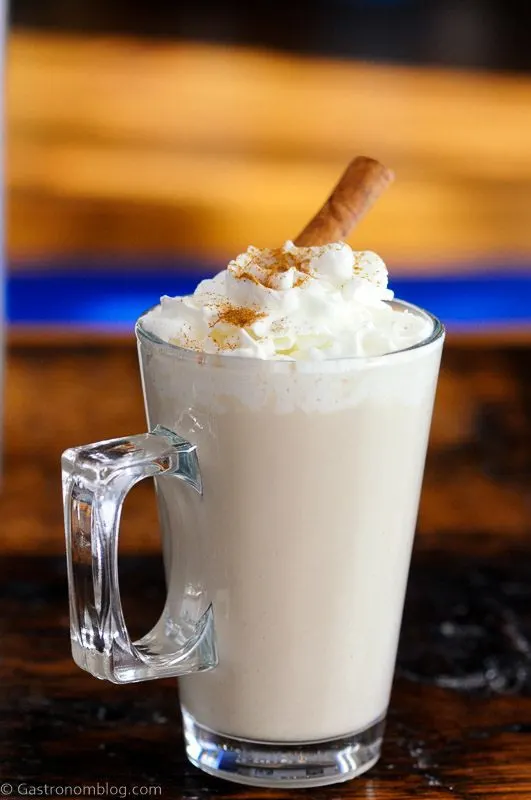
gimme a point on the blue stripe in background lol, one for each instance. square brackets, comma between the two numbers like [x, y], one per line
[115, 298]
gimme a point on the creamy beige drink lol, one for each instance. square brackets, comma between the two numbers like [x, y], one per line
[311, 457]
[289, 402]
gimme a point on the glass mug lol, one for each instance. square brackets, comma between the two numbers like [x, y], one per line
[288, 495]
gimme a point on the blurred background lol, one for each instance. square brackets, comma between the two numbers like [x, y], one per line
[148, 143]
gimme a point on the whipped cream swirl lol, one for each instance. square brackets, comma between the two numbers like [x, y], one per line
[291, 302]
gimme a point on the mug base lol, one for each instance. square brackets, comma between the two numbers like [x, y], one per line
[291, 765]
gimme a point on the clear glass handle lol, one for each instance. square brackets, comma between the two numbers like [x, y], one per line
[96, 479]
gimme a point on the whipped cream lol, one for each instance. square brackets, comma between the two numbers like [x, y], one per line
[291, 303]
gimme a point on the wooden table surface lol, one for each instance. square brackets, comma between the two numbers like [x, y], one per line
[460, 716]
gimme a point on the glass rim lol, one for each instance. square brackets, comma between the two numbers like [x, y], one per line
[187, 354]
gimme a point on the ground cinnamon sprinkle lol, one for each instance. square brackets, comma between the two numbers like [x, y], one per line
[240, 317]
[285, 261]
[282, 262]
[248, 277]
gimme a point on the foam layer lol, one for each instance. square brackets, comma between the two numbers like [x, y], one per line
[215, 385]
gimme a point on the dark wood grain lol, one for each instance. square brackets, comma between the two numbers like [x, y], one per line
[460, 718]
[61, 726]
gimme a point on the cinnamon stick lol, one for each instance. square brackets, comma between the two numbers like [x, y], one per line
[359, 187]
